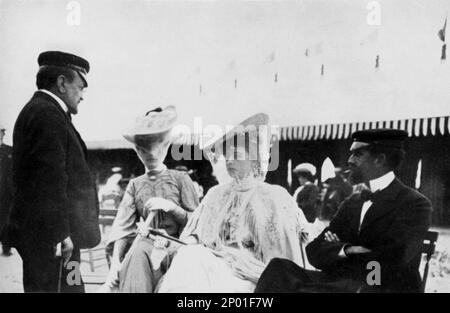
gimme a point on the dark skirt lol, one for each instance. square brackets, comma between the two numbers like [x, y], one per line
[284, 276]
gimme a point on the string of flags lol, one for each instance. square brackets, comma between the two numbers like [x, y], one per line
[317, 49]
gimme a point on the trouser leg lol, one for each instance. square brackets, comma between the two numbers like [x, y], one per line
[282, 275]
[42, 271]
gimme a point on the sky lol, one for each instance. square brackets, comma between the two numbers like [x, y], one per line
[222, 61]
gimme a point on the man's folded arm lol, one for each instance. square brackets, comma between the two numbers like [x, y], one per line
[322, 253]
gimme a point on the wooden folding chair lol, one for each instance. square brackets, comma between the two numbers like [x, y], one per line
[106, 218]
[428, 248]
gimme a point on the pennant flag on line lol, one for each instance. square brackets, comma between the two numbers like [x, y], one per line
[271, 57]
[441, 32]
[314, 50]
[232, 65]
[371, 38]
[441, 35]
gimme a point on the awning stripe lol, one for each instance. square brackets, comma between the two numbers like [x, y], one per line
[442, 125]
[432, 122]
[415, 127]
[425, 127]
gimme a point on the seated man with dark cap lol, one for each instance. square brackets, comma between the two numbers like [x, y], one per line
[374, 241]
[55, 210]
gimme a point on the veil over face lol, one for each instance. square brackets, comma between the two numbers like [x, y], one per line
[152, 149]
[252, 136]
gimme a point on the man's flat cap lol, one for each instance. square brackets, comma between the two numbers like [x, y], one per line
[392, 138]
[63, 59]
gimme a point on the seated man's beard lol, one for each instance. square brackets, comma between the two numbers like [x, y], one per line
[356, 176]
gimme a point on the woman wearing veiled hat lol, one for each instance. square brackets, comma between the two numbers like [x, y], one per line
[239, 226]
[168, 195]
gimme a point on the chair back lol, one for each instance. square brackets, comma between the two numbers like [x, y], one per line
[428, 248]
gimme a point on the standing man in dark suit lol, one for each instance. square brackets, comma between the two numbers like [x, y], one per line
[374, 242]
[6, 191]
[55, 204]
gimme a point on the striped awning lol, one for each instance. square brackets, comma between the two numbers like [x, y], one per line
[416, 127]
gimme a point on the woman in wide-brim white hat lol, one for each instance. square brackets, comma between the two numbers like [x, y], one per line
[307, 194]
[169, 193]
[239, 226]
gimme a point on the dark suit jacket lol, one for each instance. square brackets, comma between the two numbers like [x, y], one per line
[6, 189]
[307, 201]
[394, 228]
[55, 194]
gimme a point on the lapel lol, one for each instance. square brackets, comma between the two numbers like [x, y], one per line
[383, 203]
[356, 208]
[80, 141]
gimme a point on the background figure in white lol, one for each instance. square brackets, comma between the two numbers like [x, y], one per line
[111, 193]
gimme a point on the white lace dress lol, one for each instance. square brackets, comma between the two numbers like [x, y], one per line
[240, 227]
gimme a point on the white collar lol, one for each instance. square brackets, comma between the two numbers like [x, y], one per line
[57, 99]
[161, 168]
[382, 182]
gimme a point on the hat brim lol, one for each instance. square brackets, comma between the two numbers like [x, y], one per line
[248, 125]
[132, 137]
[358, 145]
[83, 77]
[152, 124]
[302, 170]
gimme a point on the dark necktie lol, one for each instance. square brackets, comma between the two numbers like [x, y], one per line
[367, 195]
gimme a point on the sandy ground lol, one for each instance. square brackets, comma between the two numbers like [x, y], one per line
[11, 268]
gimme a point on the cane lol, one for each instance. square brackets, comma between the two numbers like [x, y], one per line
[146, 225]
[301, 250]
[60, 273]
[157, 233]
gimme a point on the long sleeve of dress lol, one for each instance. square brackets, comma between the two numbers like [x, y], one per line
[192, 225]
[282, 235]
[188, 198]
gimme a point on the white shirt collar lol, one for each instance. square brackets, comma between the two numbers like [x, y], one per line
[382, 182]
[57, 99]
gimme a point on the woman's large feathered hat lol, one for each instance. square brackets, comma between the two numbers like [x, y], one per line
[159, 121]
